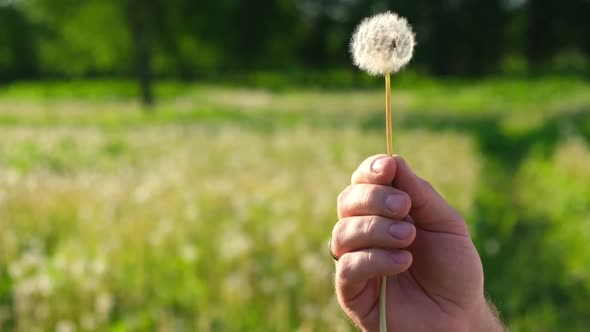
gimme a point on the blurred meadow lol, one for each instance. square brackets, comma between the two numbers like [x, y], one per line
[207, 203]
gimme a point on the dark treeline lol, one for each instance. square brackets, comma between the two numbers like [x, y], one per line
[190, 39]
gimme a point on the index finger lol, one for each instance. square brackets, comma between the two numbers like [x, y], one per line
[379, 169]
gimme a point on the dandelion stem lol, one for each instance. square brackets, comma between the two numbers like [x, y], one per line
[388, 114]
[382, 297]
[382, 306]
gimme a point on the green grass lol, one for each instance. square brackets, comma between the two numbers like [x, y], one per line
[212, 212]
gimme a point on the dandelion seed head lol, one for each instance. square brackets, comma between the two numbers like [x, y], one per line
[103, 304]
[44, 284]
[235, 244]
[65, 326]
[98, 267]
[189, 253]
[382, 44]
[237, 287]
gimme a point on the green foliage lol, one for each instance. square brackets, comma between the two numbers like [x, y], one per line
[202, 39]
[17, 46]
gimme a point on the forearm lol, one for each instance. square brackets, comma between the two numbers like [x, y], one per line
[486, 318]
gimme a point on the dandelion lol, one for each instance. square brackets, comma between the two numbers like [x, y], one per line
[313, 265]
[189, 253]
[65, 326]
[381, 45]
[98, 267]
[103, 304]
[237, 287]
[44, 284]
[237, 243]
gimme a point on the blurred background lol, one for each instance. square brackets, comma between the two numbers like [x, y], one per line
[174, 165]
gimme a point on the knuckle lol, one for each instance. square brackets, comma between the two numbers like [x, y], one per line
[357, 227]
[371, 225]
[338, 235]
[343, 196]
[369, 195]
[368, 257]
[346, 266]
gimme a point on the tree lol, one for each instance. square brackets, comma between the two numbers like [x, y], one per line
[139, 14]
[96, 37]
[18, 58]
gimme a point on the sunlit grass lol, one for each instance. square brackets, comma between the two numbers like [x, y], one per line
[213, 212]
[201, 227]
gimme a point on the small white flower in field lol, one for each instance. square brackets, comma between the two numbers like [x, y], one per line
[314, 267]
[16, 270]
[237, 287]
[44, 284]
[189, 253]
[103, 304]
[98, 267]
[382, 44]
[235, 244]
[77, 268]
[25, 287]
[65, 326]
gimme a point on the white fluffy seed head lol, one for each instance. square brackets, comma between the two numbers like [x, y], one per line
[382, 44]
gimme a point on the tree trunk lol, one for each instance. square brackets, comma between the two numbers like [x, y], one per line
[137, 14]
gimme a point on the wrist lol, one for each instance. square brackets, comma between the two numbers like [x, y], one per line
[485, 318]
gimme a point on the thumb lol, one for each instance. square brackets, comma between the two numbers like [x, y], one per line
[430, 211]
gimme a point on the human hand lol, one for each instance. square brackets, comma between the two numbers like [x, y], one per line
[394, 223]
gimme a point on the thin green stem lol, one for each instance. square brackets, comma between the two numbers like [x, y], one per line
[389, 136]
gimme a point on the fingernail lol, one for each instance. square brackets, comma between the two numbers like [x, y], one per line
[401, 257]
[394, 202]
[400, 231]
[379, 165]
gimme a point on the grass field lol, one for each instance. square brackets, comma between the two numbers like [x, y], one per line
[212, 212]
